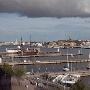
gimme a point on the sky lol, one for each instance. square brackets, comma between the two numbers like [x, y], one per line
[44, 20]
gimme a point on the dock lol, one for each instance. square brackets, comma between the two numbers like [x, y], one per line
[47, 62]
[9, 55]
[82, 73]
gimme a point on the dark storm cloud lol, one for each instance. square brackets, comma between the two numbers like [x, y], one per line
[47, 8]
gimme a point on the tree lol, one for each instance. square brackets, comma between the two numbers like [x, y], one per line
[6, 72]
[79, 86]
[18, 72]
[7, 69]
[13, 71]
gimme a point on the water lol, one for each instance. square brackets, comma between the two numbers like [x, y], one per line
[86, 80]
[54, 67]
[76, 66]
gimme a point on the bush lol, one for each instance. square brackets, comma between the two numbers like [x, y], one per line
[79, 86]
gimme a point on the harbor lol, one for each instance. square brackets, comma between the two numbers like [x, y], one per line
[48, 60]
[44, 45]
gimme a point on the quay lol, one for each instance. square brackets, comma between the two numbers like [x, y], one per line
[47, 62]
[9, 55]
[82, 73]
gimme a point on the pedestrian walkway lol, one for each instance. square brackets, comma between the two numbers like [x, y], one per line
[23, 85]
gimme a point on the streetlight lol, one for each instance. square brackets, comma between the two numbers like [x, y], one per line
[12, 61]
[39, 70]
[46, 69]
[71, 62]
[74, 70]
[53, 69]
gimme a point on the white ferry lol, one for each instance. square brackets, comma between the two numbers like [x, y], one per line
[13, 50]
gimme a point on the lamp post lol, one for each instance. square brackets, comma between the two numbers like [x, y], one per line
[12, 61]
[39, 70]
[53, 69]
[46, 69]
[74, 70]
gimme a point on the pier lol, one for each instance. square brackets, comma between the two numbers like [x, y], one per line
[47, 62]
[9, 55]
[82, 73]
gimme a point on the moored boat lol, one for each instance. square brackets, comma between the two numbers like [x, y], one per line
[32, 51]
[65, 68]
[88, 66]
[66, 79]
[13, 50]
[86, 47]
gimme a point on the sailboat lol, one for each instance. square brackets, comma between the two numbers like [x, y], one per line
[80, 52]
[66, 79]
[88, 66]
[66, 68]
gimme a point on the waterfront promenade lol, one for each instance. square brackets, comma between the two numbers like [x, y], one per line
[82, 73]
[26, 85]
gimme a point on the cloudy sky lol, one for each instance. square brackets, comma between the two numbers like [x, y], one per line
[44, 20]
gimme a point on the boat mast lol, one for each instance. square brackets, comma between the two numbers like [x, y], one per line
[21, 46]
[67, 59]
[81, 49]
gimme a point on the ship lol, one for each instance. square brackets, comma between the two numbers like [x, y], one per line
[13, 50]
[31, 51]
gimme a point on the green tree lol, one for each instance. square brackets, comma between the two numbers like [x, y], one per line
[79, 86]
[7, 69]
[18, 72]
